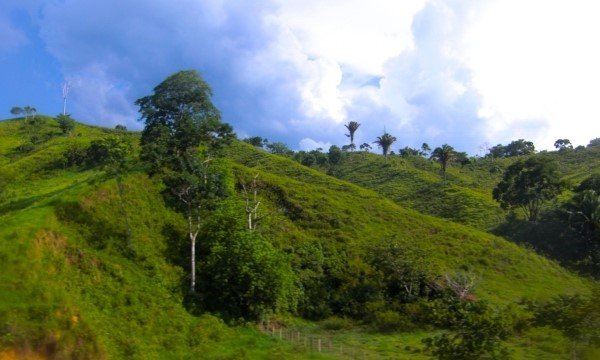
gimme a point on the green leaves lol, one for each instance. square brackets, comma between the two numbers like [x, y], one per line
[180, 116]
[528, 184]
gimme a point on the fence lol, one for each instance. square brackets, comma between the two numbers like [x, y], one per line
[317, 343]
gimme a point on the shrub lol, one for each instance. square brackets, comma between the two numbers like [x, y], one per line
[392, 321]
[336, 323]
[477, 331]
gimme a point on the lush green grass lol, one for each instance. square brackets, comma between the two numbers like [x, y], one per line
[70, 286]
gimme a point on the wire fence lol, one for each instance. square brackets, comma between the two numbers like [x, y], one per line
[311, 342]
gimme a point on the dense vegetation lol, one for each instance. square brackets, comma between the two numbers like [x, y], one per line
[175, 247]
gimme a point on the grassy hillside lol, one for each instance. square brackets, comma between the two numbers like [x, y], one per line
[320, 208]
[463, 195]
[71, 288]
[68, 288]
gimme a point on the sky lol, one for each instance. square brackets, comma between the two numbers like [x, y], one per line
[469, 73]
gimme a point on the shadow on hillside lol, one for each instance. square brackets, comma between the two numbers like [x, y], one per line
[550, 236]
[23, 203]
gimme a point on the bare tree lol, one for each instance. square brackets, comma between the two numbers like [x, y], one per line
[252, 203]
[462, 284]
[66, 88]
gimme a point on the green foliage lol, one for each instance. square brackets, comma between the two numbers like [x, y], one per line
[334, 155]
[515, 148]
[180, 116]
[477, 331]
[256, 141]
[279, 148]
[352, 126]
[65, 123]
[75, 155]
[590, 183]
[245, 277]
[563, 144]
[528, 184]
[389, 321]
[577, 317]
[111, 152]
[385, 142]
[443, 155]
[16, 110]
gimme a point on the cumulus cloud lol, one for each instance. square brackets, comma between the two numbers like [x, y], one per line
[294, 71]
[308, 144]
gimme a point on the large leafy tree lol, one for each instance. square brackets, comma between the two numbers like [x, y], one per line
[527, 184]
[352, 126]
[182, 134]
[443, 155]
[385, 141]
[179, 116]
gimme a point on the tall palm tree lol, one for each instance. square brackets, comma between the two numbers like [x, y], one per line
[352, 126]
[444, 155]
[385, 141]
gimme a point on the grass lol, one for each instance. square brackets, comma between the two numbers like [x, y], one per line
[71, 288]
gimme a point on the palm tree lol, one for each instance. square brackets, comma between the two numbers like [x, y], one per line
[352, 126]
[444, 155]
[385, 141]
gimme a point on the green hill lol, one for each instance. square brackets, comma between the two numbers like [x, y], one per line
[71, 288]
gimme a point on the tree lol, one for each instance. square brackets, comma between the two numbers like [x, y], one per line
[425, 149]
[256, 141]
[183, 132]
[352, 126]
[528, 184]
[65, 123]
[515, 148]
[16, 110]
[29, 111]
[408, 151]
[179, 116]
[594, 142]
[279, 148]
[563, 144]
[192, 189]
[590, 183]
[365, 147]
[244, 275]
[121, 128]
[335, 155]
[443, 155]
[385, 141]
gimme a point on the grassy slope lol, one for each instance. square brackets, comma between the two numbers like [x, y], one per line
[66, 284]
[465, 196]
[67, 290]
[336, 210]
[414, 182]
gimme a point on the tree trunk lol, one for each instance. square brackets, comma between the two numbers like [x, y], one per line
[193, 255]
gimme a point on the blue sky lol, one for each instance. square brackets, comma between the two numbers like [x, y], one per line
[468, 73]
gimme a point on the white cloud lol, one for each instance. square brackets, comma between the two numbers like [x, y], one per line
[536, 63]
[308, 144]
[459, 71]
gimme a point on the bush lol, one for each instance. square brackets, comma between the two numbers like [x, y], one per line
[392, 321]
[477, 331]
[243, 276]
[75, 155]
